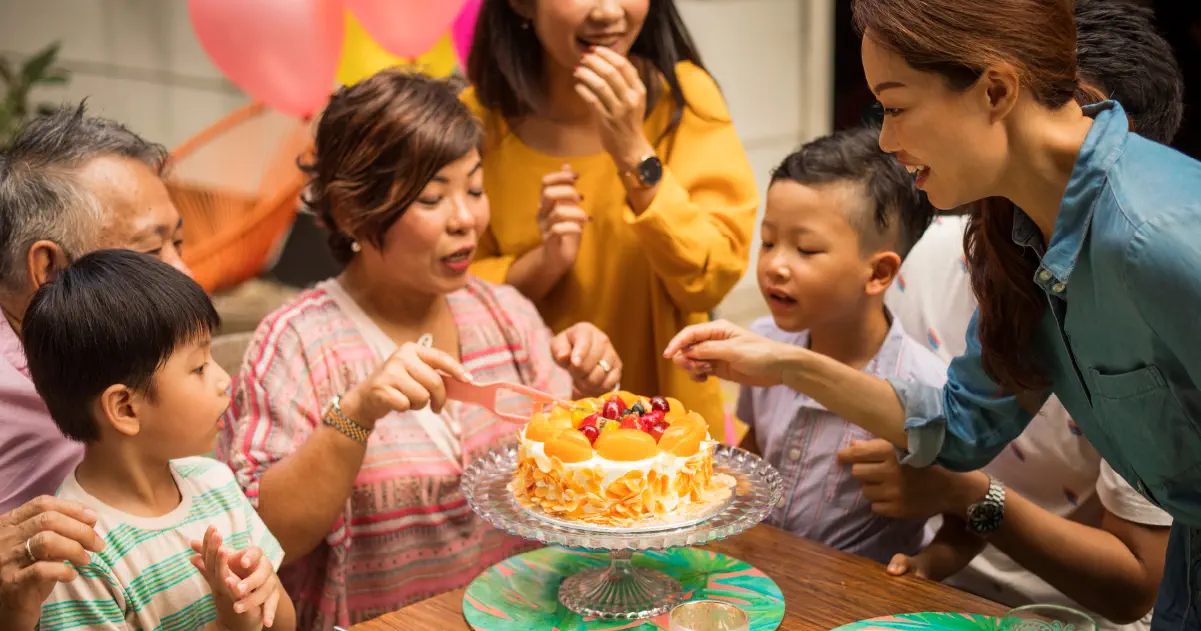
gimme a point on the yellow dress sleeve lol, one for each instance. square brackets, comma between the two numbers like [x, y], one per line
[697, 231]
[487, 263]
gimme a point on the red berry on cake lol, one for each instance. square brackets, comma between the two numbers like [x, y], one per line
[652, 417]
[612, 408]
[656, 430]
[660, 404]
[591, 432]
[591, 419]
[631, 421]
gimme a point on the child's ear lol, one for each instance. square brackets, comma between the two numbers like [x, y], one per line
[885, 267]
[118, 406]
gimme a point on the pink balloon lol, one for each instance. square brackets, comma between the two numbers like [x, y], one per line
[463, 30]
[282, 52]
[406, 28]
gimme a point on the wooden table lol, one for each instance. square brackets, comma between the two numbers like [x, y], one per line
[823, 588]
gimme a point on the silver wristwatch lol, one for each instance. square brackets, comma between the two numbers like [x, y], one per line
[986, 516]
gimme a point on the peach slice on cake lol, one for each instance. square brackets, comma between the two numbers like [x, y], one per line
[682, 439]
[542, 426]
[629, 398]
[592, 404]
[569, 446]
[691, 419]
[675, 409]
[626, 445]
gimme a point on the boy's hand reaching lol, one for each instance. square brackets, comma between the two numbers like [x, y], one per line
[245, 587]
[951, 550]
[902, 564]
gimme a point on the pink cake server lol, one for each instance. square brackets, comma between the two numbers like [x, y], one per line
[485, 395]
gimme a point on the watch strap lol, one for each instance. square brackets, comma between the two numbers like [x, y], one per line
[335, 418]
[986, 516]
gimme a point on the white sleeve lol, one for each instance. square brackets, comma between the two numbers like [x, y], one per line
[1122, 500]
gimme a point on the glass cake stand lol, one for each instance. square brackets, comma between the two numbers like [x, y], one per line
[622, 591]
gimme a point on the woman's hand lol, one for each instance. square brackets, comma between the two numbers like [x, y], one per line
[56, 530]
[408, 380]
[560, 218]
[610, 84]
[586, 352]
[729, 352]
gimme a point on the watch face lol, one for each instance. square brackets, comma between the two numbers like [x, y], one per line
[650, 171]
[985, 517]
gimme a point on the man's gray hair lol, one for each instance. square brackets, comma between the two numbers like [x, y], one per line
[41, 197]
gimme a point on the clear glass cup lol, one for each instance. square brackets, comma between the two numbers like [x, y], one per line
[708, 615]
[1046, 618]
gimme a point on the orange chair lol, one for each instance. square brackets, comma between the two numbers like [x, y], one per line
[237, 187]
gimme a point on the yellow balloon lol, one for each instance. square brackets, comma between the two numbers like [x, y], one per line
[363, 57]
[441, 60]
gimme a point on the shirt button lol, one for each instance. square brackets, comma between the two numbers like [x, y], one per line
[1058, 288]
[794, 454]
[1044, 275]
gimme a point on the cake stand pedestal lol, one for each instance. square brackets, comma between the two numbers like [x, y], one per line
[623, 591]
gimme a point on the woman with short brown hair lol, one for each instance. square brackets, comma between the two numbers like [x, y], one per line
[340, 430]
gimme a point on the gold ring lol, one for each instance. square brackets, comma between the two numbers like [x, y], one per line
[604, 365]
[29, 550]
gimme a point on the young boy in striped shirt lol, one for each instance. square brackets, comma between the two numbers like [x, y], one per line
[118, 347]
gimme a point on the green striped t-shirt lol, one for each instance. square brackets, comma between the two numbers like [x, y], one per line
[143, 579]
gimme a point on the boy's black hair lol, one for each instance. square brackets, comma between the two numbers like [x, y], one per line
[854, 155]
[112, 317]
[1119, 51]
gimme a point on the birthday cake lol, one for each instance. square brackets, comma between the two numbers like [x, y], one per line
[621, 461]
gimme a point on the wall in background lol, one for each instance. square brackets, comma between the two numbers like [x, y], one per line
[773, 60]
[138, 62]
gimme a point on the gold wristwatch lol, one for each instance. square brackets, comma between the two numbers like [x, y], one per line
[335, 418]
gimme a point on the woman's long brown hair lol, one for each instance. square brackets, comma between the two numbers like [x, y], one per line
[506, 60]
[959, 40]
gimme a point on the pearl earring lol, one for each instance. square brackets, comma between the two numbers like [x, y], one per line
[355, 247]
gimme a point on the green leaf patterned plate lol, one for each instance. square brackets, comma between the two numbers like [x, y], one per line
[521, 592]
[929, 621]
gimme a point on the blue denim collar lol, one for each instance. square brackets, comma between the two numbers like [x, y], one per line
[1102, 147]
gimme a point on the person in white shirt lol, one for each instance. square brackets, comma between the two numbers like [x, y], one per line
[1073, 532]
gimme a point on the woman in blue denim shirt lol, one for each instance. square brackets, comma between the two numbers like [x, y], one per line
[1085, 257]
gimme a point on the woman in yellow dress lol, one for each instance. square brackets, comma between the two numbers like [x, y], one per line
[621, 193]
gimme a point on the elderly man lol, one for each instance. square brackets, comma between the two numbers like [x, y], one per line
[69, 184]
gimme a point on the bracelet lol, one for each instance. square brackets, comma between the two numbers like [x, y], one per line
[335, 418]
